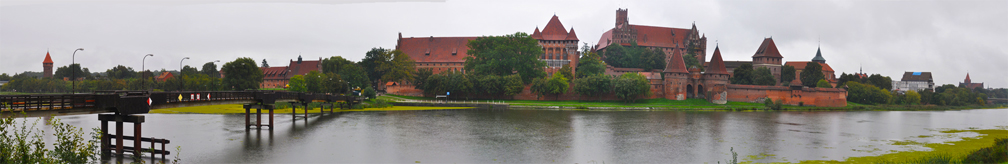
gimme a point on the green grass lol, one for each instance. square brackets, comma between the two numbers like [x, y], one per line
[948, 152]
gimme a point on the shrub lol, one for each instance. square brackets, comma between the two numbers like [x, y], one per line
[369, 93]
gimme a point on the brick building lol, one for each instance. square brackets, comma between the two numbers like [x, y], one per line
[47, 65]
[278, 77]
[667, 39]
[968, 83]
[447, 54]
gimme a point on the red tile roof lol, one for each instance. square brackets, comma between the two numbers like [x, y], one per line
[274, 73]
[768, 49]
[48, 60]
[295, 68]
[677, 65]
[435, 49]
[965, 81]
[554, 30]
[650, 36]
[571, 35]
[164, 76]
[536, 34]
[605, 40]
[717, 64]
[800, 65]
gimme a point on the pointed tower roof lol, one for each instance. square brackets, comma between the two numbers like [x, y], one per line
[554, 30]
[818, 56]
[768, 49]
[967, 81]
[571, 35]
[716, 65]
[48, 59]
[536, 34]
[676, 64]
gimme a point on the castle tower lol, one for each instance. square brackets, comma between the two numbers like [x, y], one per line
[715, 81]
[676, 77]
[47, 65]
[621, 17]
[767, 56]
[818, 57]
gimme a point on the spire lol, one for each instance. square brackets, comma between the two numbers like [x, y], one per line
[967, 81]
[676, 64]
[571, 35]
[536, 34]
[48, 59]
[818, 57]
[716, 65]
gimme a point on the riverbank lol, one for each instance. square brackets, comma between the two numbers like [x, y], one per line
[238, 109]
[676, 105]
[945, 152]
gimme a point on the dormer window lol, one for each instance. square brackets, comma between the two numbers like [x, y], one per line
[427, 53]
[454, 51]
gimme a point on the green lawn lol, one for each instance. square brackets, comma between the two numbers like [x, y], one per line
[656, 103]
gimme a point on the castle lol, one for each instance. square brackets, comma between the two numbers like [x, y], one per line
[674, 82]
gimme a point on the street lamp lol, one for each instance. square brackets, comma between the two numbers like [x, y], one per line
[143, 71]
[180, 72]
[73, 78]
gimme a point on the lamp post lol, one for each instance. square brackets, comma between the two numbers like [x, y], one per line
[73, 77]
[180, 72]
[143, 71]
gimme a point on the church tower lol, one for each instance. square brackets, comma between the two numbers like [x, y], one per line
[47, 65]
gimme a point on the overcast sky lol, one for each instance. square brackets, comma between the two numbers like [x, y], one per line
[947, 38]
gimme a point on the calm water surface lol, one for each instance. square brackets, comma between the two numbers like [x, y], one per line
[537, 136]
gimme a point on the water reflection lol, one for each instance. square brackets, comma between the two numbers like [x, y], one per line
[538, 136]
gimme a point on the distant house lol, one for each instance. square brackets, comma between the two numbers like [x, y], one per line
[914, 81]
[164, 76]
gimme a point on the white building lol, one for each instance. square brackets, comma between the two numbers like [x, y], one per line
[914, 81]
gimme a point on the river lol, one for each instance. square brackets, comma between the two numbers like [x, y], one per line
[545, 136]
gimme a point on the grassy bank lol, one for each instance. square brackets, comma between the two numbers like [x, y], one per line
[237, 108]
[688, 104]
[967, 150]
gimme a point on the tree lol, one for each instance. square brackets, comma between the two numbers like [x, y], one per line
[823, 84]
[210, 69]
[556, 85]
[743, 75]
[67, 71]
[811, 74]
[593, 86]
[120, 72]
[617, 55]
[630, 86]
[399, 67]
[296, 84]
[787, 74]
[589, 65]
[566, 72]
[762, 76]
[5, 77]
[844, 78]
[264, 64]
[420, 77]
[880, 81]
[512, 85]
[313, 82]
[347, 70]
[189, 71]
[369, 93]
[911, 98]
[505, 55]
[691, 61]
[372, 59]
[242, 74]
[866, 94]
[651, 58]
